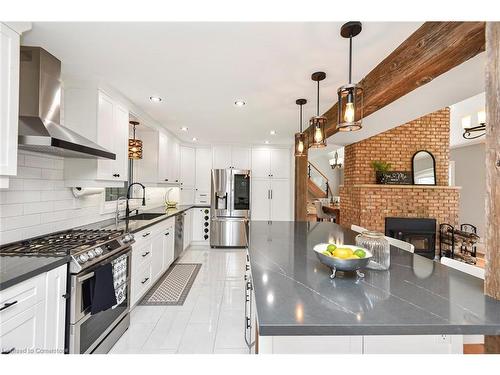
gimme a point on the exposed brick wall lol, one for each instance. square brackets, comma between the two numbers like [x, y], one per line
[366, 204]
[397, 146]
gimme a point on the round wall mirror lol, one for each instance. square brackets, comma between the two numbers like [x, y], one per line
[423, 168]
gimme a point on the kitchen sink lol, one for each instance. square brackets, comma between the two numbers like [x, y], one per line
[145, 216]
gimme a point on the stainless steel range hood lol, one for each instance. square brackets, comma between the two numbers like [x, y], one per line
[39, 110]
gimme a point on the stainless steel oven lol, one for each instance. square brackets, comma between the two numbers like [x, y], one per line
[98, 333]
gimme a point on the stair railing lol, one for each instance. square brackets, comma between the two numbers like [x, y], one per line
[314, 174]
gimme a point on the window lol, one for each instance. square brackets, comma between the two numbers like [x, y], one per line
[112, 194]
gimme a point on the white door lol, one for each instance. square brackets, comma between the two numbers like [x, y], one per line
[168, 247]
[157, 257]
[260, 163]
[188, 164]
[280, 163]
[105, 130]
[187, 195]
[9, 103]
[55, 309]
[240, 158]
[163, 170]
[203, 169]
[280, 200]
[222, 157]
[259, 205]
[120, 147]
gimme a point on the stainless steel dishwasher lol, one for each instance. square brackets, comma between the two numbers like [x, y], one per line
[179, 235]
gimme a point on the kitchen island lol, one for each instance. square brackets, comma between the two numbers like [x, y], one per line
[417, 306]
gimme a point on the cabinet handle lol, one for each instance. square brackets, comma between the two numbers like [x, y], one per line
[8, 351]
[271, 194]
[166, 179]
[66, 295]
[176, 180]
[145, 280]
[146, 234]
[116, 175]
[145, 254]
[168, 233]
[8, 304]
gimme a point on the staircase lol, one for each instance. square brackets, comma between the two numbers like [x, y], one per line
[318, 186]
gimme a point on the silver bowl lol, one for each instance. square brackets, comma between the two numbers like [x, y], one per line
[337, 264]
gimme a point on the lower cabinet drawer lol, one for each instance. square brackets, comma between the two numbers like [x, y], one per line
[20, 297]
[24, 333]
[141, 282]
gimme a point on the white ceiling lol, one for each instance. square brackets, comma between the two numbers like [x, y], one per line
[200, 69]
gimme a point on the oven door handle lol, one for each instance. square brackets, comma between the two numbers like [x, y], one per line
[85, 277]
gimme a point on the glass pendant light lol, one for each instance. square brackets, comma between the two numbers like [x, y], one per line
[134, 145]
[300, 137]
[318, 122]
[350, 96]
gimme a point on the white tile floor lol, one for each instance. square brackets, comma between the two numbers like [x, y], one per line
[211, 319]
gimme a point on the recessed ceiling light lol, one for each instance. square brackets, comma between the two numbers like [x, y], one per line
[194, 139]
[155, 99]
[239, 103]
[184, 129]
[272, 132]
[266, 142]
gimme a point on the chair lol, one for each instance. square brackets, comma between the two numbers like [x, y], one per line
[320, 214]
[358, 229]
[406, 246]
[471, 270]
[464, 267]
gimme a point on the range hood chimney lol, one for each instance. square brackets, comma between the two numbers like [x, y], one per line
[39, 110]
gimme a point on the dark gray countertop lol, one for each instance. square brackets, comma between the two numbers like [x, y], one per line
[135, 226]
[295, 296]
[14, 270]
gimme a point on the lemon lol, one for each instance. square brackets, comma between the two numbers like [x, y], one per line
[360, 253]
[353, 256]
[331, 248]
[342, 252]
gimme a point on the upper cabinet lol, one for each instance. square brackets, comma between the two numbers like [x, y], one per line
[100, 118]
[159, 157]
[231, 157]
[203, 169]
[274, 163]
[188, 166]
[9, 102]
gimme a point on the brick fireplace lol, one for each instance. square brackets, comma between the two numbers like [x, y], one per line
[362, 202]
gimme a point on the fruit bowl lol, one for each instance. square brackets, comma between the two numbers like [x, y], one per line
[339, 264]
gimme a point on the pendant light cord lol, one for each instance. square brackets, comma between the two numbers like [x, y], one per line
[300, 124]
[317, 102]
[350, 59]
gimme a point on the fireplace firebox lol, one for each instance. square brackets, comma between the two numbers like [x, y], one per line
[421, 232]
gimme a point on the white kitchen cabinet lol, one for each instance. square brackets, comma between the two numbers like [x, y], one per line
[187, 195]
[162, 158]
[274, 163]
[231, 157]
[168, 244]
[201, 225]
[188, 166]
[55, 309]
[157, 257]
[33, 315]
[271, 200]
[173, 160]
[188, 228]
[9, 103]
[97, 116]
[203, 169]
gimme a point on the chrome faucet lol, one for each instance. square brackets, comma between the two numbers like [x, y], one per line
[117, 211]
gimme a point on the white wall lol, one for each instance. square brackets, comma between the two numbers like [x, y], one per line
[335, 176]
[37, 202]
[470, 174]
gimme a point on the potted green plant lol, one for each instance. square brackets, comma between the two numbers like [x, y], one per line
[380, 168]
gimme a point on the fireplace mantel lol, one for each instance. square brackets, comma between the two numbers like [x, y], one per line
[384, 186]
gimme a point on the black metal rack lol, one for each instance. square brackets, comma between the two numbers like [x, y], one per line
[463, 239]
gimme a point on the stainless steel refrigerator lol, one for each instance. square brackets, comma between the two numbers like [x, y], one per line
[230, 207]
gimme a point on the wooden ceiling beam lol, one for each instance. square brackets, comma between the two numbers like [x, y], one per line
[433, 49]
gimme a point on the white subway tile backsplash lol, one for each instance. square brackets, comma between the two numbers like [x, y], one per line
[38, 161]
[15, 222]
[28, 172]
[52, 174]
[7, 210]
[37, 207]
[37, 202]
